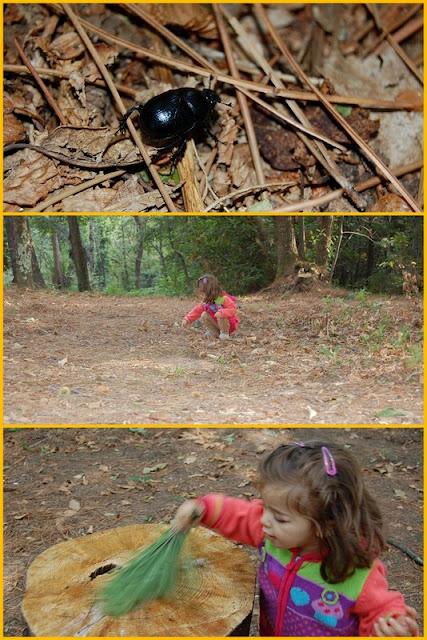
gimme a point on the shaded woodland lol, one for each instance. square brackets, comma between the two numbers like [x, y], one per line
[149, 255]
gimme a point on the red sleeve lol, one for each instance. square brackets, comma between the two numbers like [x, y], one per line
[376, 601]
[229, 308]
[195, 313]
[238, 520]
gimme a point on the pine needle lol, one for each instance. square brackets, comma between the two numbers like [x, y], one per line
[153, 573]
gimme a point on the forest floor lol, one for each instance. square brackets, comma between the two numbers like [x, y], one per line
[318, 357]
[65, 483]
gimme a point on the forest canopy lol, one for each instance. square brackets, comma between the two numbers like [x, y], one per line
[165, 255]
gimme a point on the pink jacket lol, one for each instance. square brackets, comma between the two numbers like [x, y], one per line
[240, 520]
[228, 309]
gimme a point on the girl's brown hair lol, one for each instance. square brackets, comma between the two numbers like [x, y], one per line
[210, 287]
[340, 507]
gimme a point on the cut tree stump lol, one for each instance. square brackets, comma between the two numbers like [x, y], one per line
[63, 582]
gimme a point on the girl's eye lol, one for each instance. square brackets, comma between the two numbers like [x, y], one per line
[282, 521]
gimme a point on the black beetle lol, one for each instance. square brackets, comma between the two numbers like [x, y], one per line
[173, 116]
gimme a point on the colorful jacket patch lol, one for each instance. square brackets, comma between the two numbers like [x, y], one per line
[313, 607]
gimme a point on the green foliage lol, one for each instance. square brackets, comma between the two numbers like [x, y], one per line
[151, 574]
[165, 255]
[376, 249]
[416, 356]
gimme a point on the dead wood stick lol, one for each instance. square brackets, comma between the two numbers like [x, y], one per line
[43, 88]
[365, 149]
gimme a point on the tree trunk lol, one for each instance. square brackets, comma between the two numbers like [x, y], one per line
[140, 230]
[324, 244]
[25, 266]
[9, 224]
[370, 261]
[179, 256]
[78, 253]
[63, 584]
[286, 247]
[58, 273]
[125, 271]
[299, 221]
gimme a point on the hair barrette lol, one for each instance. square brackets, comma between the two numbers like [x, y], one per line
[329, 462]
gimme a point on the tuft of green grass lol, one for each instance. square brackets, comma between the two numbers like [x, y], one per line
[415, 358]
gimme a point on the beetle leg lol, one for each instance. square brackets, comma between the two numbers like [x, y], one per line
[177, 154]
[212, 135]
[123, 119]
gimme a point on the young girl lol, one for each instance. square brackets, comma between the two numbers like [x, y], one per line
[318, 531]
[218, 310]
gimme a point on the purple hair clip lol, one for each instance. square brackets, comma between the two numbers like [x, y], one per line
[329, 462]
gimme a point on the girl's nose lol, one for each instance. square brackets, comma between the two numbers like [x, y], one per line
[265, 519]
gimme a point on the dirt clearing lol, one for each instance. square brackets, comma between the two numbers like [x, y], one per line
[318, 357]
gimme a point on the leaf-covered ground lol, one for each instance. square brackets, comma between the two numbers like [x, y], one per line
[65, 483]
[259, 158]
[318, 357]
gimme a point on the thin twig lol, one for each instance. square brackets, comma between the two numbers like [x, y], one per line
[396, 46]
[404, 17]
[74, 162]
[77, 189]
[105, 74]
[205, 187]
[49, 98]
[53, 73]
[244, 191]
[308, 205]
[317, 149]
[375, 103]
[247, 119]
[190, 189]
[408, 552]
[366, 150]
[147, 17]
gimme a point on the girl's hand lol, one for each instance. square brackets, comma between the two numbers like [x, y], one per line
[185, 323]
[403, 626]
[188, 515]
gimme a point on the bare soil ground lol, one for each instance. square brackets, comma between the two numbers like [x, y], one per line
[64, 483]
[317, 357]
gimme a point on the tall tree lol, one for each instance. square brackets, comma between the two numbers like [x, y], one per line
[78, 253]
[324, 242]
[140, 223]
[58, 272]
[25, 266]
[286, 246]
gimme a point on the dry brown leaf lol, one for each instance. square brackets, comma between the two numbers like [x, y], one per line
[157, 467]
[241, 169]
[129, 196]
[390, 202]
[227, 138]
[13, 129]
[107, 53]
[31, 180]
[74, 505]
[196, 18]
[92, 141]
[67, 46]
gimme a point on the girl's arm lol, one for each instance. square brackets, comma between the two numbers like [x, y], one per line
[229, 308]
[235, 519]
[194, 314]
[377, 606]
